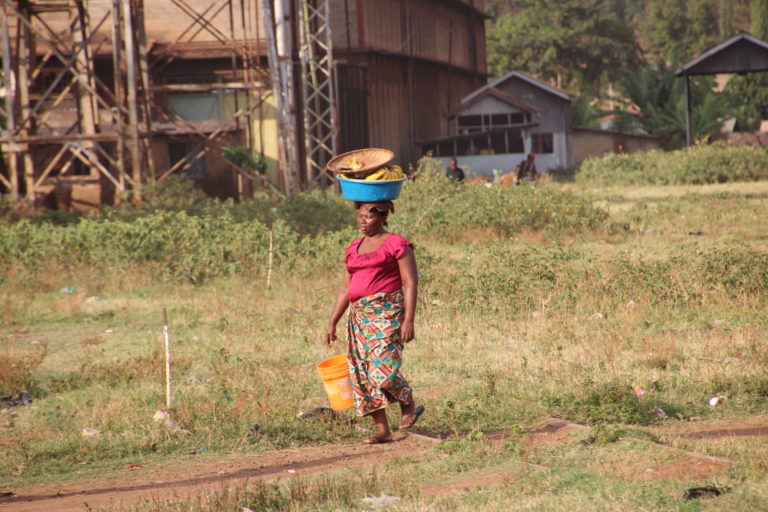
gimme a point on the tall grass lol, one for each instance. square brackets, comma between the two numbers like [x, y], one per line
[697, 165]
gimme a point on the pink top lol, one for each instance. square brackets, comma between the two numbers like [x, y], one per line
[377, 271]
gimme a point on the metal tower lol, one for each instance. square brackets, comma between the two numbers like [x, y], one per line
[318, 88]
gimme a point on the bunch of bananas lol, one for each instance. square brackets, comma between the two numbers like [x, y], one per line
[354, 164]
[388, 173]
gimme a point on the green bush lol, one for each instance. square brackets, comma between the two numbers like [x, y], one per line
[243, 157]
[714, 163]
[436, 206]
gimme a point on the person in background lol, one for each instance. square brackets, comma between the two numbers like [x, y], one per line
[454, 172]
[379, 288]
[526, 170]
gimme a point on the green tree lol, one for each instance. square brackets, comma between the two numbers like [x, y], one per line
[746, 97]
[653, 102]
[759, 18]
[576, 44]
[678, 30]
[725, 28]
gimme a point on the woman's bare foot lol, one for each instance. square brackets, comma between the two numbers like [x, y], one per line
[410, 417]
[383, 434]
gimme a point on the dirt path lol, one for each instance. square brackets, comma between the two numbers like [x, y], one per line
[196, 476]
[192, 477]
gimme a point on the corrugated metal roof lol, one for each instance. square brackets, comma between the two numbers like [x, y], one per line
[520, 76]
[500, 95]
[738, 54]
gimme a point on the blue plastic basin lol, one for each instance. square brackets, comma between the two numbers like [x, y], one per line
[370, 191]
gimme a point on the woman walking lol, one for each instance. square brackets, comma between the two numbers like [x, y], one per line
[379, 288]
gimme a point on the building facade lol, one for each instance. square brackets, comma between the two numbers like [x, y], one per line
[500, 124]
[113, 94]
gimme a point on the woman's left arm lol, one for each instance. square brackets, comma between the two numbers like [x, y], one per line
[410, 279]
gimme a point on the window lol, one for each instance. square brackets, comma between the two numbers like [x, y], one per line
[484, 122]
[499, 143]
[516, 143]
[187, 150]
[470, 124]
[543, 143]
[46, 78]
[195, 106]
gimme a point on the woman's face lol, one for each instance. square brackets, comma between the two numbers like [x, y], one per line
[370, 223]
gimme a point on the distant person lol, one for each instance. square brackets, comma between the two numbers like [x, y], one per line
[454, 172]
[526, 170]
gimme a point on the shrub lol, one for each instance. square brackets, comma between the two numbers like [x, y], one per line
[172, 193]
[714, 163]
[436, 206]
[243, 157]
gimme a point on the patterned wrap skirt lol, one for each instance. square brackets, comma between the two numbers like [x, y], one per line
[375, 352]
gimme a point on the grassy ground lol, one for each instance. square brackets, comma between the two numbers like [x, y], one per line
[669, 296]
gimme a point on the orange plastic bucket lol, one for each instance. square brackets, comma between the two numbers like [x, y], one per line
[335, 375]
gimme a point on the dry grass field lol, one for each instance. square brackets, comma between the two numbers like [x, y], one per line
[562, 369]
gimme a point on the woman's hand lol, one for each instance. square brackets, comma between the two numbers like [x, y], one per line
[330, 335]
[406, 331]
[342, 301]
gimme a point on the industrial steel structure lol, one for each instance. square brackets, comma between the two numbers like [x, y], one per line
[81, 97]
[114, 94]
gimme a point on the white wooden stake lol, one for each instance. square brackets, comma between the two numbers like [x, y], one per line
[269, 263]
[167, 362]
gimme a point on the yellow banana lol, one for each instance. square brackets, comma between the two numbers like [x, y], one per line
[376, 175]
[354, 164]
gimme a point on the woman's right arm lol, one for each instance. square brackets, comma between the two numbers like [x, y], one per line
[342, 301]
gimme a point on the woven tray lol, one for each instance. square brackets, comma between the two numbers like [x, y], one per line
[370, 158]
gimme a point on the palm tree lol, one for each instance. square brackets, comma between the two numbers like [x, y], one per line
[652, 101]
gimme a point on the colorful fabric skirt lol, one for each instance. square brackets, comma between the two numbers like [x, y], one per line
[375, 352]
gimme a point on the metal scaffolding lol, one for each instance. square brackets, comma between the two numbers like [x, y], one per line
[317, 104]
[59, 116]
[316, 56]
[42, 70]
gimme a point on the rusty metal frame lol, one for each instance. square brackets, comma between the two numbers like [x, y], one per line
[78, 141]
[121, 153]
[318, 87]
[201, 22]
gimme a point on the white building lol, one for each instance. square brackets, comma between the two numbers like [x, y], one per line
[498, 125]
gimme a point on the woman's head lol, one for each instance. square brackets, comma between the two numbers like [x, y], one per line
[372, 217]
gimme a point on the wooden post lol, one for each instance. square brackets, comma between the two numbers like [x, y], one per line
[271, 251]
[166, 334]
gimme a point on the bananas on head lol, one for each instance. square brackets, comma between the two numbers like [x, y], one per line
[388, 173]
